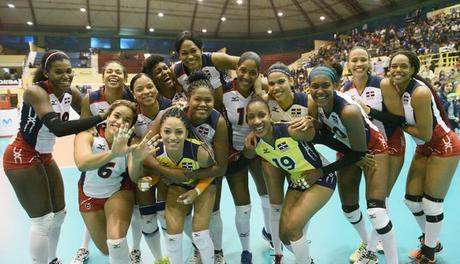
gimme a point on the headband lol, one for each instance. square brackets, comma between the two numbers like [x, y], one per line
[322, 70]
[52, 54]
[270, 71]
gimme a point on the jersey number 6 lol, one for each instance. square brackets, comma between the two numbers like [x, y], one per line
[106, 170]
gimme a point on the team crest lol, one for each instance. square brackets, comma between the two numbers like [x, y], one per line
[283, 146]
[187, 166]
[370, 95]
[296, 112]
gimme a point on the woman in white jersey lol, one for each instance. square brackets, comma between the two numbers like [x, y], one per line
[27, 160]
[106, 194]
[436, 156]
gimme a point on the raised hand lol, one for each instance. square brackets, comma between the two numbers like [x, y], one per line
[120, 141]
[148, 146]
[250, 141]
[301, 123]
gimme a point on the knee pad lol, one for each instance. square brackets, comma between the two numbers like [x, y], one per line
[42, 225]
[433, 209]
[160, 206]
[414, 203]
[352, 213]
[149, 224]
[147, 210]
[378, 216]
[59, 217]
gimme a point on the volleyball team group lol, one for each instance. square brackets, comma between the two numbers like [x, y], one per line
[153, 155]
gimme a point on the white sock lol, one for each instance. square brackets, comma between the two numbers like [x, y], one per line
[160, 210]
[265, 201]
[434, 219]
[301, 251]
[174, 248]
[357, 220]
[118, 251]
[188, 225]
[414, 203]
[38, 243]
[382, 224]
[85, 239]
[55, 231]
[203, 242]
[152, 234]
[242, 222]
[373, 240]
[136, 228]
[275, 213]
[216, 229]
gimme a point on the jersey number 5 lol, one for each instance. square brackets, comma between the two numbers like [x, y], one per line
[285, 163]
[106, 170]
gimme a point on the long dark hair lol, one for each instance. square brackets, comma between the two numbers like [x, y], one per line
[47, 61]
[415, 62]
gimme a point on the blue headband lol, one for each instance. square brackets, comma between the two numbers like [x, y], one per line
[322, 70]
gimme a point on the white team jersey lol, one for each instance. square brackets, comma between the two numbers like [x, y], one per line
[235, 106]
[299, 108]
[105, 181]
[142, 125]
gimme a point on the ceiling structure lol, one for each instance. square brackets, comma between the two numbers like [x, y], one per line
[215, 18]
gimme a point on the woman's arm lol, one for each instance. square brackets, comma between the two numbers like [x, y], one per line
[354, 124]
[85, 110]
[421, 103]
[223, 61]
[76, 99]
[84, 157]
[302, 129]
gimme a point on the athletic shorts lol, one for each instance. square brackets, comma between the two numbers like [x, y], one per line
[236, 162]
[447, 145]
[90, 204]
[329, 181]
[397, 143]
[377, 143]
[20, 155]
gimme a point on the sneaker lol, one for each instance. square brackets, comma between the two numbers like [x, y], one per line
[196, 257]
[163, 260]
[81, 257]
[415, 253]
[267, 237]
[246, 257]
[380, 247]
[358, 252]
[421, 259]
[219, 257]
[56, 261]
[135, 256]
[367, 257]
[277, 259]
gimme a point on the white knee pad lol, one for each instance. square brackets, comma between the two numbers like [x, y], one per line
[380, 220]
[149, 224]
[431, 207]
[42, 225]
[59, 217]
[414, 207]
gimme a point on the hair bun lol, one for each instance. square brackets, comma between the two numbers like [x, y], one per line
[198, 75]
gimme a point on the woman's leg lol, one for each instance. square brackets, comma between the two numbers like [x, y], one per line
[215, 225]
[96, 225]
[255, 167]
[162, 190]
[149, 220]
[298, 209]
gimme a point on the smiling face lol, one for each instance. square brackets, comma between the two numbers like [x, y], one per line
[120, 115]
[114, 76]
[162, 76]
[190, 55]
[60, 74]
[279, 86]
[322, 90]
[359, 63]
[173, 133]
[401, 70]
[201, 103]
[144, 91]
[258, 118]
[246, 74]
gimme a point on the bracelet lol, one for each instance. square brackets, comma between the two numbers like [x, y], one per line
[197, 191]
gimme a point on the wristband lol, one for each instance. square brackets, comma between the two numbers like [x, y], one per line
[197, 191]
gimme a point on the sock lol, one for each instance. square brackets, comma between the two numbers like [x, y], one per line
[382, 224]
[355, 217]
[151, 233]
[265, 201]
[85, 239]
[174, 248]
[275, 212]
[55, 231]
[160, 209]
[188, 225]
[136, 228]
[373, 240]
[118, 251]
[38, 243]
[242, 222]
[301, 251]
[414, 203]
[434, 218]
[216, 229]
[203, 242]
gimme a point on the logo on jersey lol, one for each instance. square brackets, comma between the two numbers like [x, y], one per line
[53, 102]
[266, 151]
[283, 146]
[100, 146]
[235, 99]
[203, 130]
[334, 118]
[274, 109]
[295, 112]
[67, 100]
[370, 95]
[406, 98]
[187, 165]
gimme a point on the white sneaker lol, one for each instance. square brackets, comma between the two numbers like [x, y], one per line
[368, 257]
[56, 261]
[358, 252]
[219, 257]
[81, 257]
[135, 256]
[195, 258]
[380, 247]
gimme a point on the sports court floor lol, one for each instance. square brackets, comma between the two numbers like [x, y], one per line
[332, 237]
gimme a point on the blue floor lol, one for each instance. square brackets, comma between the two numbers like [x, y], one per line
[332, 237]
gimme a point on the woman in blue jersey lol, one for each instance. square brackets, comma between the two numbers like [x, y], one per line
[287, 153]
[189, 48]
[106, 196]
[28, 162]
[436, 156]
[343, 119]
[364, 88]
